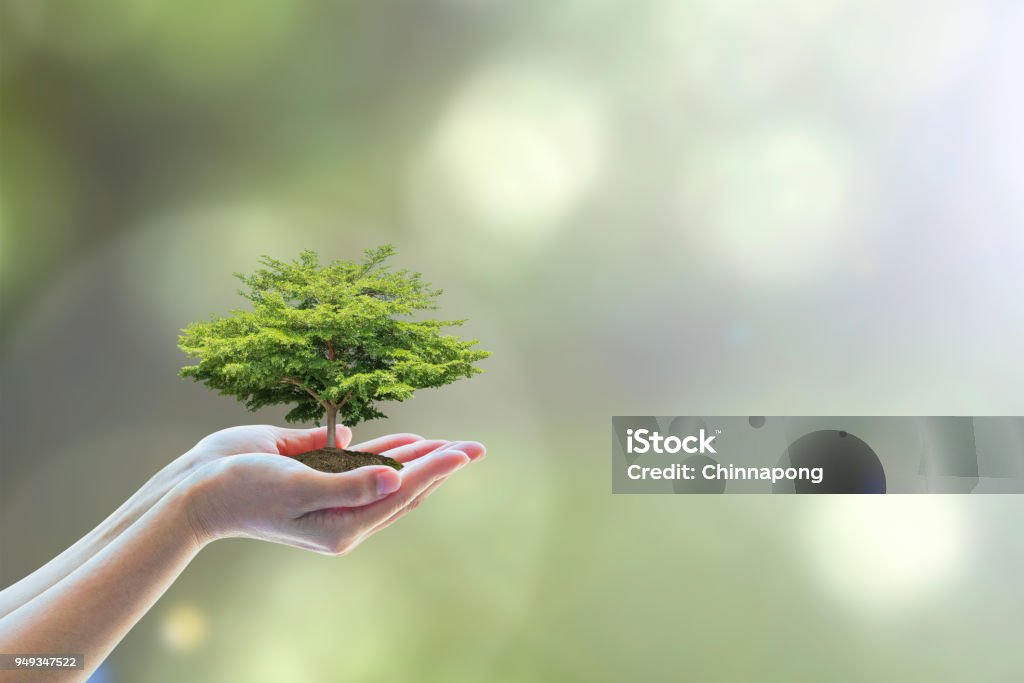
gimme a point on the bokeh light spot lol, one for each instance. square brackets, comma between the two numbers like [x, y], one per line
[183, 627]
[883, 553]
[516, 151]
[769, 206]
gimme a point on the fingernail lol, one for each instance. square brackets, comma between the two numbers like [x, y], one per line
[388, 482]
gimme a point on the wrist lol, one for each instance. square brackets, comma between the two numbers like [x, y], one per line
[194, 494]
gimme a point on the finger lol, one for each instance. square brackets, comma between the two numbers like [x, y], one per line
[412, 451]
[413, 504]
[319, 490]
[417, 449]
[295, 441]
[386, 443]
[474, 449]
[416, 477]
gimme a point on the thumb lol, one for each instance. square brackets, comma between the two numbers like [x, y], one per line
[295, 441]
[348, 489]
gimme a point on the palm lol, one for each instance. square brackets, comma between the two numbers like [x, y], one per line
[263, 495]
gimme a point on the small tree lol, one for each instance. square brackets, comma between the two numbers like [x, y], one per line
[333, 340]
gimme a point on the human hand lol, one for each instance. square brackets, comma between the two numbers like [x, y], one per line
[222, 444]
[278, 499]
[270, 439]
[238, 482]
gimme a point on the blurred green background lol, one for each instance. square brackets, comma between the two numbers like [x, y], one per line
[731, 207]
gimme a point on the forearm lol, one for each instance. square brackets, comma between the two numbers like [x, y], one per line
[90, 610]
[36, 583]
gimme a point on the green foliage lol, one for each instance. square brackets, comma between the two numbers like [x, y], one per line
[337, 338]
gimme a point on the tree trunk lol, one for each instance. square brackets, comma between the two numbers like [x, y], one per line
[332, 427]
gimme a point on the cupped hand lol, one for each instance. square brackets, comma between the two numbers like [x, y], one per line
[261, 439]
[270, 439]
[266, 496]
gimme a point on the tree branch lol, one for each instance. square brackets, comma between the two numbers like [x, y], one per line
[316, 396]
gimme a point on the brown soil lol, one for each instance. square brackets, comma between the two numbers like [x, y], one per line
[340, 460]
